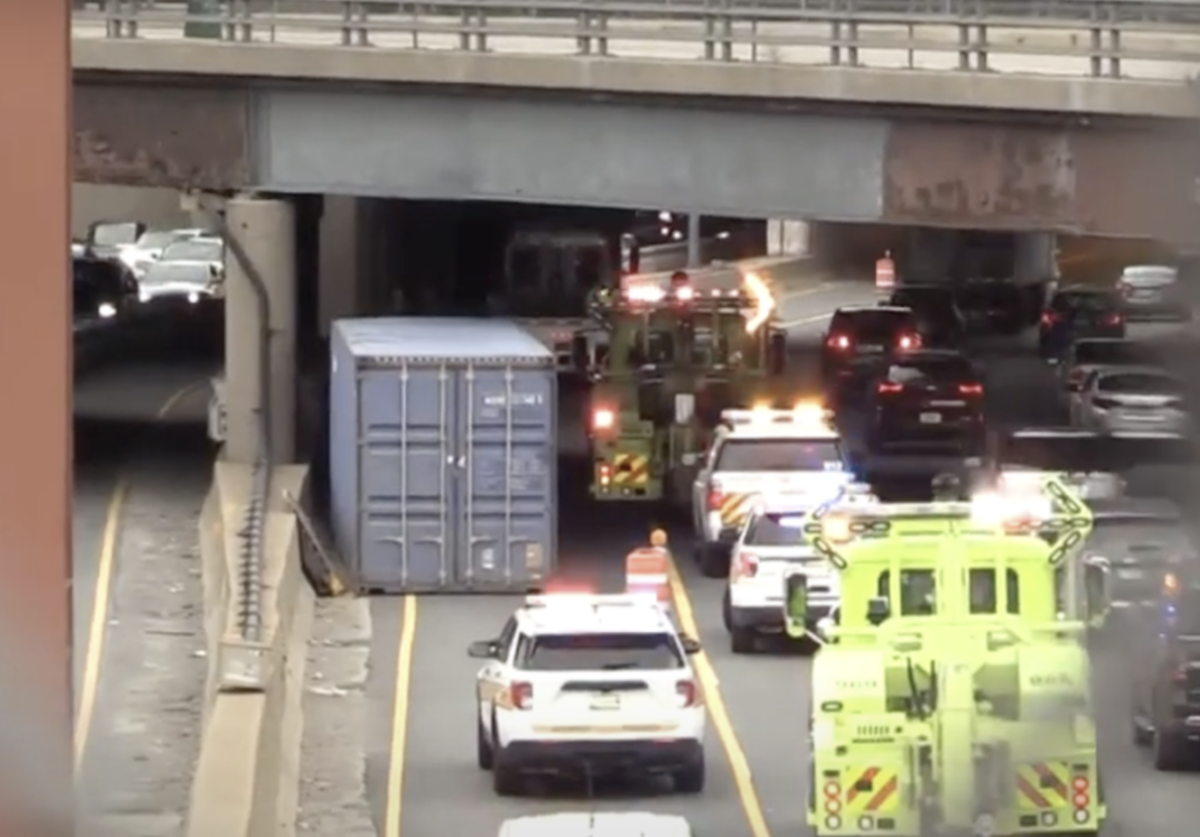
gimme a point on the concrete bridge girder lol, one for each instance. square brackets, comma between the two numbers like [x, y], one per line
[908, 166]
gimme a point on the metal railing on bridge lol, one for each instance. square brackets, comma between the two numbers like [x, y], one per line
[1147, 39]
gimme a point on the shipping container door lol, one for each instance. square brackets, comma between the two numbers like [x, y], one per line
[405, 460]
[507, 458]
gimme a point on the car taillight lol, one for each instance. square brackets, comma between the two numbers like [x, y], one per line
[838, 341]
[1049, 318]
[716, 498]
[521, 695]
[970, 389]
[888, 388]
[909, 341]
[1112, 319]
[745, 565]
[689, 695]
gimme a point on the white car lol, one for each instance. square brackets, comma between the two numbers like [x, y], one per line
[193, 268]
[771, 548]
[597, 824]
[1130, 399]
[1152, 291]
[589, 685]
[150, 245]
[757, 451]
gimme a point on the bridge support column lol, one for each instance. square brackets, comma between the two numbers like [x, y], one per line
[788, 238]
[345, 259]
[1035, 256]
[266, 230]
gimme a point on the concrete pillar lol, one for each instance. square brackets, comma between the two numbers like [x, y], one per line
[1036, 256]
[266, 230]
[788, 238]
[694, 254]
[343, 266]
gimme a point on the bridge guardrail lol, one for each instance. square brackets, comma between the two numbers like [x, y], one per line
[1148, 39]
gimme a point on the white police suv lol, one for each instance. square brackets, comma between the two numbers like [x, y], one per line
[588, 685]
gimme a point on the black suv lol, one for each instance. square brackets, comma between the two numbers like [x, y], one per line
[928, 399]
[101, 288]
[868, 335]
[1164, 659]
[1075, 313]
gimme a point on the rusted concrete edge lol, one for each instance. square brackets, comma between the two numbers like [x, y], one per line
[246, 781]
[941, 88]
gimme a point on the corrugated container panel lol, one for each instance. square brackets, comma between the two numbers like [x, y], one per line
[443, 443]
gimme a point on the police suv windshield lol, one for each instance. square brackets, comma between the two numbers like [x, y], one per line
[779, 455]
[776, 530]
[599, 652]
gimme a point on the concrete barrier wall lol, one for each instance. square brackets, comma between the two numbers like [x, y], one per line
[246, 779]
[92, 202]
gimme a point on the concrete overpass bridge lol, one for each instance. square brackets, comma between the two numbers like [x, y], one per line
[907, 112]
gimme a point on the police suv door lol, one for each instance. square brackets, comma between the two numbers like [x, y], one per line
[494, 676]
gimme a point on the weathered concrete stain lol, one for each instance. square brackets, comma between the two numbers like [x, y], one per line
[1139, 182]
[978, 175]
[1132, 180]
[155, 135]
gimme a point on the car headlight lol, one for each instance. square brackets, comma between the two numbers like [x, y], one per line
[193, 297]
[106, 310]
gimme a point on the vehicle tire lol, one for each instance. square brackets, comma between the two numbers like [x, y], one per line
[690, 779]
[742, 640]
[1167, 752]
[727, 612]
[714, 560]
[483, 747]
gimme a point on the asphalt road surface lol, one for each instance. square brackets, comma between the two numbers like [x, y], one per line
[422, 777]
[142, 468]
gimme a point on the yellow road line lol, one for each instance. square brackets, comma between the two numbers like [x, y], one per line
[94, 654]
[739, 765]
[404, 658]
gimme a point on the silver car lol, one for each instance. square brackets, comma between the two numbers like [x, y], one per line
[1153, 292]
[1130, 400]
[192, 269]
[150, 245]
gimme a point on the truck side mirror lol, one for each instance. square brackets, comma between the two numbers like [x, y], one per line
[1097, 590]
[484, 649]
[777, 353]
[878, 610]
[580, 354]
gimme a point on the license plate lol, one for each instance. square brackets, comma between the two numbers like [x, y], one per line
[606, 702]
[1146, 296]
[870, 350]
[931, 418]
[1127, 574]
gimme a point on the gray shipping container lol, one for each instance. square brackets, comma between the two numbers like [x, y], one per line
[443, 454]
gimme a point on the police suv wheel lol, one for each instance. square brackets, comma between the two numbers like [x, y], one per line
[742, 640]
[727, 611]
[691, 778]
[714, 560]
[483, 747]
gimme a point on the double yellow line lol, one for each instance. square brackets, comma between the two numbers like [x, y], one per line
[718, 714]
[89, 685]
